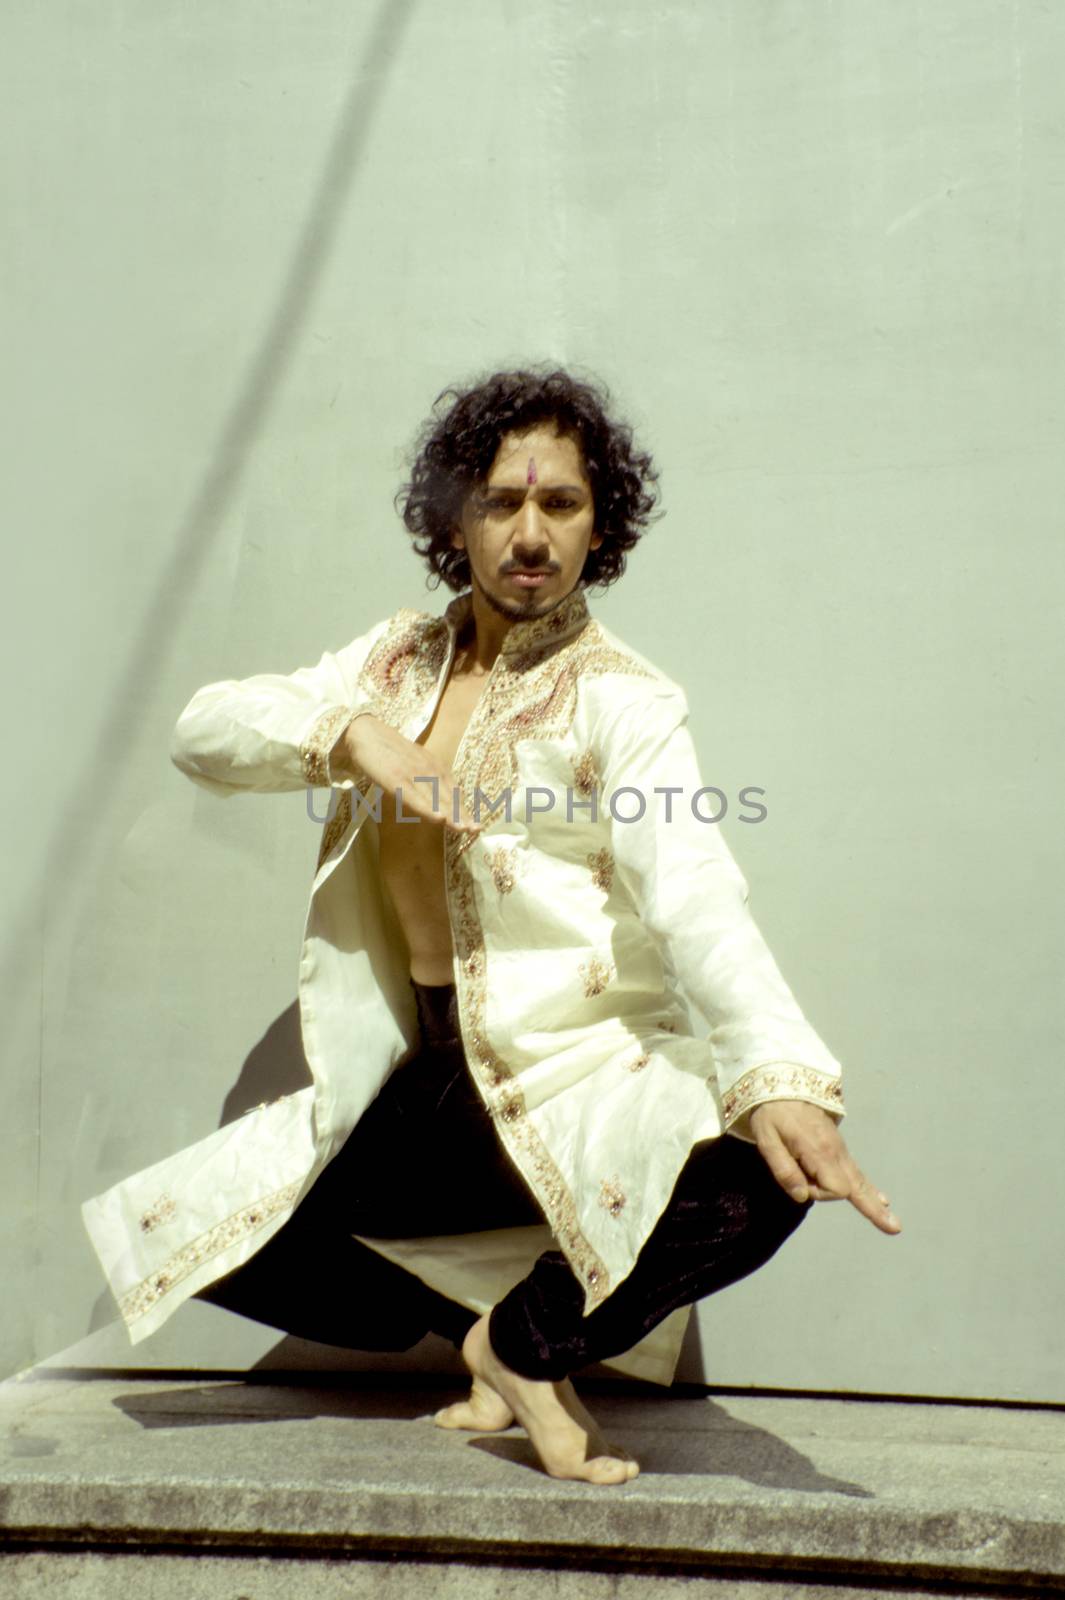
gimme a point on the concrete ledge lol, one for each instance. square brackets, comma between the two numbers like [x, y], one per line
[748, 1494]
[92, 1576]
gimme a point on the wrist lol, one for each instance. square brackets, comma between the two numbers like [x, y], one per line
[344, 756]
[356, 730]
[766, 1110]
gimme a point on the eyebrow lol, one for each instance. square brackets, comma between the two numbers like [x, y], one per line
[520, 488]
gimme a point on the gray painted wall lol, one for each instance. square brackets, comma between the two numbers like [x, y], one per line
[816, 249]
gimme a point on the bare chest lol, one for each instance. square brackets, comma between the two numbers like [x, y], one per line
[412, 857]
[451, 717]
[410, 849]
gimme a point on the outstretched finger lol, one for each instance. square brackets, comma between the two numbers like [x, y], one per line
[867, 1199]
[458, 815]
[429, 805]
[836, 1175]
[464, 823]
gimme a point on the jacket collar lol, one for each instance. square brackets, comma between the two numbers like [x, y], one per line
[537, 633]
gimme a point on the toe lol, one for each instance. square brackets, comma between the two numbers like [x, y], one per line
[451, 1416]
[606, 1469]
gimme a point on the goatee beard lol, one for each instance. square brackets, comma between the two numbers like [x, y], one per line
[515, 610]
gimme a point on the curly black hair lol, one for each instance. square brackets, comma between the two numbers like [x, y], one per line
[456, 446]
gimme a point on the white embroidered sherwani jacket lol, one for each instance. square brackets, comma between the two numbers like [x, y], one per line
[585, 912]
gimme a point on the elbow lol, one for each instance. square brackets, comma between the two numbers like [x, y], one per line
[191, 755]
[182, 752]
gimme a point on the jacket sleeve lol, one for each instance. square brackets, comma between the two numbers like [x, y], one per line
[692, 895]
[274, 732]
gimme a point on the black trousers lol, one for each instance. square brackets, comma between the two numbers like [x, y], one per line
[425, 1159]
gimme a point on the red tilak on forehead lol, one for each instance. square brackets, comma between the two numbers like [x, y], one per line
[530, 476]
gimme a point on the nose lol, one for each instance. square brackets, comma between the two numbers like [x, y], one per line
[530, 534]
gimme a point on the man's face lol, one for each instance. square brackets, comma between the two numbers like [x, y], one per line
[527, 530]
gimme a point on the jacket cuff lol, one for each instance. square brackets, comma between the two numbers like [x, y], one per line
[779, 1080]
[318, 743]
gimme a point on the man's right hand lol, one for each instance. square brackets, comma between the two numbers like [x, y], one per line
[369, 746]
[805, 1152]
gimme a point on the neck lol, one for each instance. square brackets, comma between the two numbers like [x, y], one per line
[484, 631]
[490, 623]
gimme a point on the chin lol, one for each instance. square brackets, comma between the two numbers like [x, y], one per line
[518, 606]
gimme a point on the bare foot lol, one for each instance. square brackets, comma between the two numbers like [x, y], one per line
[484, 1412]
[564, 1436]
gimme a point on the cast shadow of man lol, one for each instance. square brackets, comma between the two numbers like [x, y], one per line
[679, 1437]
[274, 1067]
[672, 1435]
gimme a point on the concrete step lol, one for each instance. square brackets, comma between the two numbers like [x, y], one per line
[223, 1486]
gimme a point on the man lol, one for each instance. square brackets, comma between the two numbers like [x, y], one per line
[494, 969]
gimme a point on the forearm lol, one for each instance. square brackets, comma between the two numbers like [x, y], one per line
[343, 763]
[691, 893]
[764, 1047]
[271, 732]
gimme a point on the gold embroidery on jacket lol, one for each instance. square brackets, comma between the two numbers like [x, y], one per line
[781, 1081]
[209, 1244]
[585, 773]
[162, 1211]
[404, 665]
[473, 964]
[596, 975]
[612, 1196]
[602, 865]
[314, 751]
[390, 660]
[337, 825]
[549, 713]
[503, 865]
[511, 1107]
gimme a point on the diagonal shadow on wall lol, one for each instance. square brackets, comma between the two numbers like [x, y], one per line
[74, 843]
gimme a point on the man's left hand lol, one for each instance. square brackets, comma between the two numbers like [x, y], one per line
[805, 1152]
